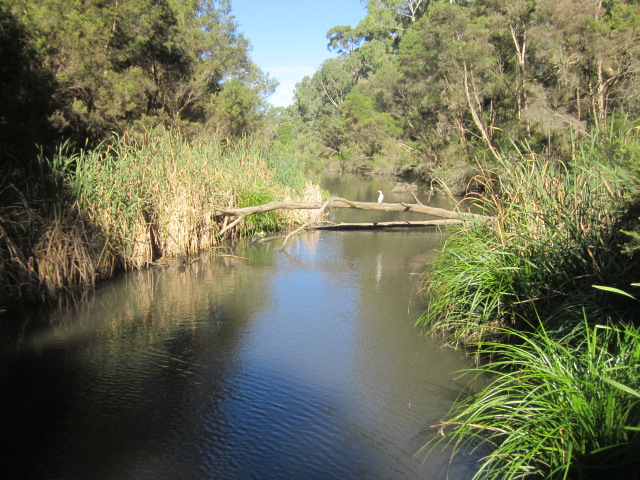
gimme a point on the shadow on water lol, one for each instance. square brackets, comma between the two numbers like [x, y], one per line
[301, 363]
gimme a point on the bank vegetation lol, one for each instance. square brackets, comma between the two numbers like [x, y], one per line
[124, 125]
[546, 298]
[132, 201]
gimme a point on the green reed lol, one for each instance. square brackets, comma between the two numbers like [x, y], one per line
[557, 406]
[157, 196]
[555, 232]
[562, 356]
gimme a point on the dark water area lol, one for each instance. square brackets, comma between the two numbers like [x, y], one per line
[269, 364]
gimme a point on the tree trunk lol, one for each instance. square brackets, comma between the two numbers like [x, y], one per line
[475, 106]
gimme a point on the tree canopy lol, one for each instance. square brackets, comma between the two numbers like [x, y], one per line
[108, 65]
[451, 81]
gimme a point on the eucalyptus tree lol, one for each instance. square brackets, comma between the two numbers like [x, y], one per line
[318, 99]
[362, 51]
[514, 19]
[121, 62]
[366, 130]
[322, 93]
[391, 17]
[590, 53]
[450, 64]
[344, 39]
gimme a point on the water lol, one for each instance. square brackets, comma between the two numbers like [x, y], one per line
[302, 363]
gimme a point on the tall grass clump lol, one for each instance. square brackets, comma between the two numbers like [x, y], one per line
[135, 199]
[156, 195]
[557, 407]
[45, 242]
[555, 232]
[562, 357]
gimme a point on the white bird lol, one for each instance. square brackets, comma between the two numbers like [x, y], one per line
[380, 197]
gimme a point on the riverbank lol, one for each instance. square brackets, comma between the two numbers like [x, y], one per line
[294, 363]
[546, 298]
[135, 199]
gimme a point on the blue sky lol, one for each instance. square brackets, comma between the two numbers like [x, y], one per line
[289, 36]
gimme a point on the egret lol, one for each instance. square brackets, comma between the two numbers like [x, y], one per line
[380, 197]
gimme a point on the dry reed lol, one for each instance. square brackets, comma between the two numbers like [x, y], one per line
[138, 198]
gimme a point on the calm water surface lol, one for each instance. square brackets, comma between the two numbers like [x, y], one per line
[294, 364]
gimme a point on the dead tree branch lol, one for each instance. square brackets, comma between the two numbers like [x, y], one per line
[451, 217]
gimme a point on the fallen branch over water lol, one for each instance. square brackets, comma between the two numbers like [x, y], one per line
[338, 202]
[376, 225]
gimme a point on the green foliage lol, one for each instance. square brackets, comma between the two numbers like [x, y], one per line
[180, 64]
[26, 89]
[563, 399]
[321, 95]
[556, 406]
[555, 232]
[364, 126]
[471, 286]
[460, 79]
[343, 38]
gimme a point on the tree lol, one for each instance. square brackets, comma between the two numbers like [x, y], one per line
[26, 89]
[343, 39]
[364, 125]
[461, 79]
[391, 17]
[449, 54]
[590, 52]
[120, 62]
[515, 18]
[322, 93]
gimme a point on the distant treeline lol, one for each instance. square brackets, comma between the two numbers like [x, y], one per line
[440, 83]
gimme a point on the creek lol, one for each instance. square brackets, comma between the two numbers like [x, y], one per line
[268, 364]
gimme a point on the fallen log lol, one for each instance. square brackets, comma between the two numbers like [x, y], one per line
[338, 202]
[379, 225]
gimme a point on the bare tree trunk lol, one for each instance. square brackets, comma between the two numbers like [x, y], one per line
[521, 52]
[475, 106]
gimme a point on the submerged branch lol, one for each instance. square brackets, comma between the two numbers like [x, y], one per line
[376, 225]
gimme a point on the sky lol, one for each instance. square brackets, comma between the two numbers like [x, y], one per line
[288, 37]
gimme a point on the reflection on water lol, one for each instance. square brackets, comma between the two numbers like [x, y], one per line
[301, 363]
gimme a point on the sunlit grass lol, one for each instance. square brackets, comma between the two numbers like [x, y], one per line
[156, 198]
[563, 357]
[557, 407]
[555, 232]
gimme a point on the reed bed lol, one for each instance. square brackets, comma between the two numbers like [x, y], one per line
[18, 276]
[558, 407]
[562, 356]
[555, 233]
[139, 198]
